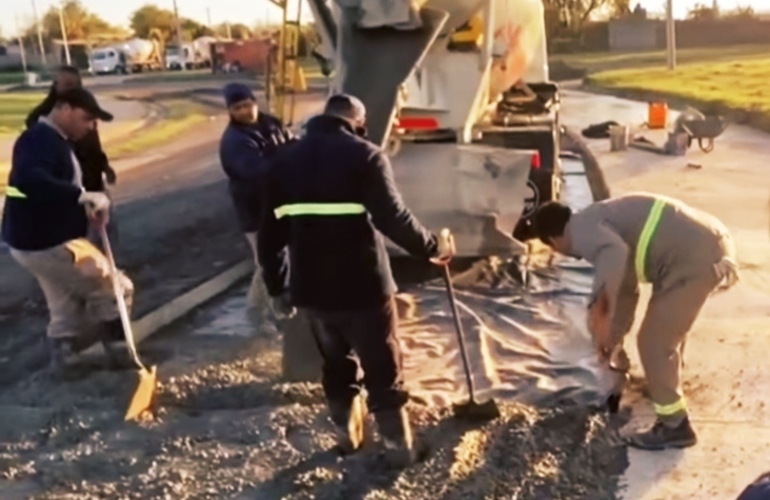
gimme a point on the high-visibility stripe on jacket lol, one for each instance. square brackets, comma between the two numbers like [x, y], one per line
[12, 192]
[300, 209]
[646, 237]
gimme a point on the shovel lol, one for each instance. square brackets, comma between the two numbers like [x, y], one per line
[145, 391]
[471, 410]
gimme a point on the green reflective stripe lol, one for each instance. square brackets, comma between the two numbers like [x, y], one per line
[650, 227]
[672, 409]
[12, 192]
[319, 209]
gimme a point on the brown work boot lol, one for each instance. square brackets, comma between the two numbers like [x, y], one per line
[350, 426]
[662, 436]
[396, 433]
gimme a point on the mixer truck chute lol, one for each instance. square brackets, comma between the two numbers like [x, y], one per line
[457, 92]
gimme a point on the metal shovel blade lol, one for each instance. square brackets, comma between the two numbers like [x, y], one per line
[145, 391]
[476, 412]
[144, 394]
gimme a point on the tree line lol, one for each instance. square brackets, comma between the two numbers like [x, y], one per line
[84, 26]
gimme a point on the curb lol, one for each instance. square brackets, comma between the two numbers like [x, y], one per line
[175, 309]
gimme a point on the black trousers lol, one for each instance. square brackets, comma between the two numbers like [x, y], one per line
[365, 339]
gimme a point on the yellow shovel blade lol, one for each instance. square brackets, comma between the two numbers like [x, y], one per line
[143, 396]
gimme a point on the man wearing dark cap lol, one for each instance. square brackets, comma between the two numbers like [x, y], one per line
[758, 490]
[684, 253]
[88, 150]
[330, 198]
[45, 224]
[249, 141]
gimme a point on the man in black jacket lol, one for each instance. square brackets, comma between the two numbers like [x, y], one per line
[328, 197]
[88, 150]
[249, 141]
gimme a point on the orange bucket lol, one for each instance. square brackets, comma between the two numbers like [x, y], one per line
[657, 115]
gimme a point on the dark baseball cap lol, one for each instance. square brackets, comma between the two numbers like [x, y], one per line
[85, 100]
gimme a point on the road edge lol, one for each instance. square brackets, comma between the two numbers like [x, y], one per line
[182, 305]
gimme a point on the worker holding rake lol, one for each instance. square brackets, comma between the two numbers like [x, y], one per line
[684, 253]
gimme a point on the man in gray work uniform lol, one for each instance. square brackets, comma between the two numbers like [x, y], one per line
[684, 253]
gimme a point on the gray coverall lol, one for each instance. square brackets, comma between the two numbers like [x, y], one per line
[679, 250]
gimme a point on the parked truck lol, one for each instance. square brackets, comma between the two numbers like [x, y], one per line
[132, 56]
[458, 93]
[194, 55]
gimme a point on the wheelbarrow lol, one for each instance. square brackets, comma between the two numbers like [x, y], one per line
[705, 131]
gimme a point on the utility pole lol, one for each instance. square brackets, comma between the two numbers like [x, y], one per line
[229, 31]
[21, 46]
[208, 16]
[670, 35]
[179, 39]
[64, 33]
[39, 35]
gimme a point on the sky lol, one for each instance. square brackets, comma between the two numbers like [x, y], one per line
[250, 12]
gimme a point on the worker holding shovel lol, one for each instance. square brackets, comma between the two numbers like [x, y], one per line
[330, 198]
[46, 224]
[684, 253]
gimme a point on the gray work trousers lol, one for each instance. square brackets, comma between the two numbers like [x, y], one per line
[258, 296]
[673, 308]
[77, 283]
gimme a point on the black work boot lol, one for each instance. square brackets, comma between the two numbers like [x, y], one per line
[662, 436]
[349, 423]
[396, 433]
[62, 355]
[619, 360]
[114, 342]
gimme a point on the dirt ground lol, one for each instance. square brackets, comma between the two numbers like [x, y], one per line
[229, 428]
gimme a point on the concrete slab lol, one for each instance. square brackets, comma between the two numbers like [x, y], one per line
[725, 377]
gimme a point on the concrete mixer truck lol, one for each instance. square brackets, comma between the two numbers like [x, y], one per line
[458, 93]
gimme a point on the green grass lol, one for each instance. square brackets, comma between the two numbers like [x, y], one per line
[14, 109]
[603, 61]
[725, 87]
[182, 115]
[11, 78]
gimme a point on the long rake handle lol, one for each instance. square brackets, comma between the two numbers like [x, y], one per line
[460, 335]
[121, 300]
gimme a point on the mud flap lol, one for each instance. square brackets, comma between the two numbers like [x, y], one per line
[477, 191]
[378, 60]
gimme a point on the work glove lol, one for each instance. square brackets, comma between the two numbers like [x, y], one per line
[727, 273]
[110, 175]
[446, 248]
[95, 202]
[282, 308]
[599, 325]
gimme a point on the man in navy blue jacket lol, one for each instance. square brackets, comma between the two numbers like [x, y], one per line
[330, 198]
[88, 150]
[249, 141]
[45, 224]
